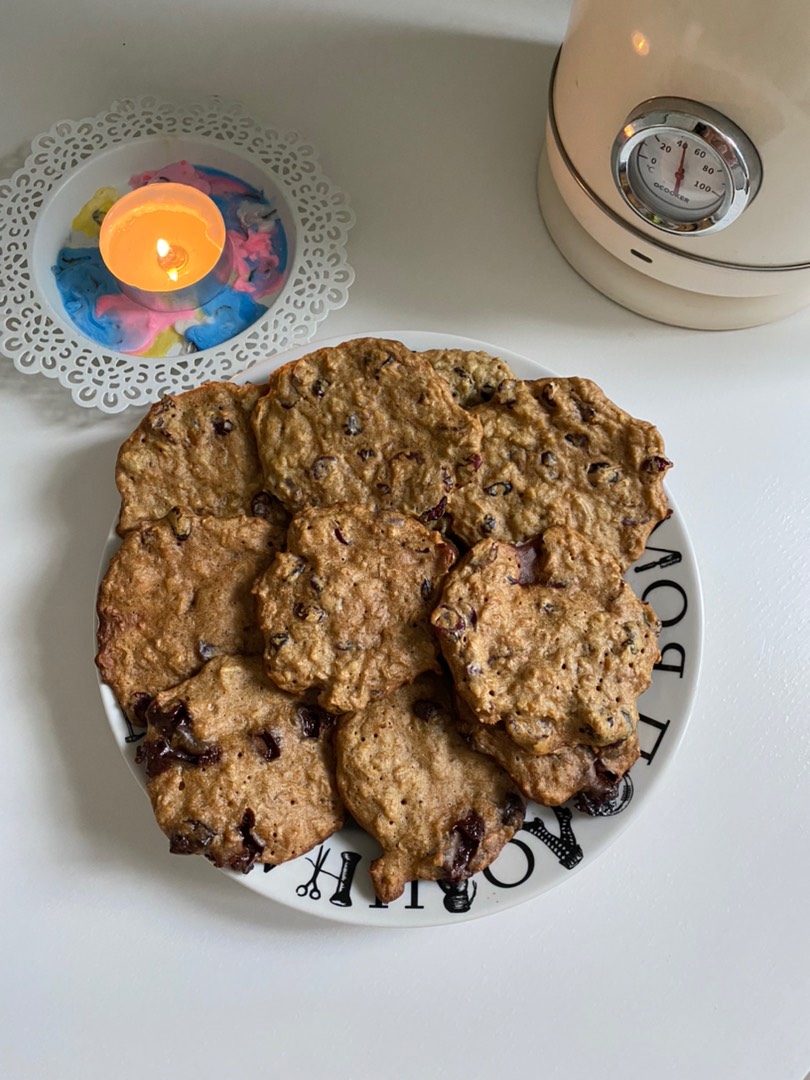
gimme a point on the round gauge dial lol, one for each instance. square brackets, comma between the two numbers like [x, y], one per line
[684, 167]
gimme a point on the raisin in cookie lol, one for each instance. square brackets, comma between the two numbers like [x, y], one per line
[367, 422]
[237, 770]
[474, 377]
[558, 452]
[552, 779]
[346, 609]
[177, 593]
[440, 810]
[194, 450]
[547, 640]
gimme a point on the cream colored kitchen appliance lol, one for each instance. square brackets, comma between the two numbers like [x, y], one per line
[675, 175]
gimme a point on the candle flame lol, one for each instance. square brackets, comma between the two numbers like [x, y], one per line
[170, 259]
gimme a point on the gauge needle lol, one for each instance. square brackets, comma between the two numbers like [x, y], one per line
[679, 175]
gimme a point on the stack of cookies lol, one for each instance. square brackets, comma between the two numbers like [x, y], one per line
[384, 581]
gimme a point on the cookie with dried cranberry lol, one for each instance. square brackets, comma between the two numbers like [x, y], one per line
[237, 770]
[345, 610]
[552, 779]
[558, 452]
[547, 640]
[473, 376]
[439, 810]
[368, 423]
[195, 450]
[177, 593]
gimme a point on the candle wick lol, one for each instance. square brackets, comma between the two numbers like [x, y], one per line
[171, 259]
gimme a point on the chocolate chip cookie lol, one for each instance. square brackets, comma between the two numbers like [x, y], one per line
[177, 593]
[558, 452]
[440, 810]
[368, 423]
[473, 377]
[197, 451]
[345, 610]
[547, 640]
[237, 770]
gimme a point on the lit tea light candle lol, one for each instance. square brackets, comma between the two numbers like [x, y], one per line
[166, 244]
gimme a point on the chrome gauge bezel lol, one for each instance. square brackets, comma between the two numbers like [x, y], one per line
[728, 144]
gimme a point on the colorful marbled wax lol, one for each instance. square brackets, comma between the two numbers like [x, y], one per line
[96, 305]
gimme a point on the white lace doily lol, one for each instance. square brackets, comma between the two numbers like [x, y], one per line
[74, 157]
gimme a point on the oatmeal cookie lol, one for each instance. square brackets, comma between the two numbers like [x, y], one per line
[346, 609]
[369, 423]
[440, 810]
[237, 770]
[474, 377]
[547, 640]
[558, 452]
[552, 779]
[177, 593]
[197, 451]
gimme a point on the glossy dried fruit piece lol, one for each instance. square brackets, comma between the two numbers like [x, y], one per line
[500, 487]
[513, 811]
[322, 466]
[192, 838]
[657, 464]
[449, 622]
[267, 744]
[435, 512]
[308, 613]
[312, 719]
[465, 840]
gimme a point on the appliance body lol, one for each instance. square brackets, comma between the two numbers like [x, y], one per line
[745, 67]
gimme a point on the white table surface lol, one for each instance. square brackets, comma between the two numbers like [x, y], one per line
[681, 952]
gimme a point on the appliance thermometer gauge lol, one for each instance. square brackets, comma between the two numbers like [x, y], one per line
[684, 167]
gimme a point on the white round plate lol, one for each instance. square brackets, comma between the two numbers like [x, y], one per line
[332, 880]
